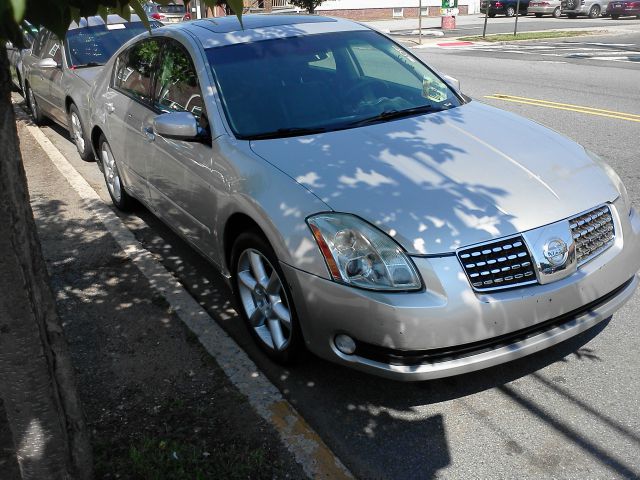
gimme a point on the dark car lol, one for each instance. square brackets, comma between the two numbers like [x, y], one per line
[623, 8]
[504, 7]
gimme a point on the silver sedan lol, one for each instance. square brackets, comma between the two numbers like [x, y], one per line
[360, 205]
[58, 73]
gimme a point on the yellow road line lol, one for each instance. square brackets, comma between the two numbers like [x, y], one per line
[631, 117]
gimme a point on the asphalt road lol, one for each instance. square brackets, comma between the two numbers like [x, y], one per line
[568, 412]
[474, 24]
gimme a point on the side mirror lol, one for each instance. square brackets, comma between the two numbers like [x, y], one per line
[452, 82]
[47, 63]
[177, 126]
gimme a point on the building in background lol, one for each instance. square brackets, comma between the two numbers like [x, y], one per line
[367, 9]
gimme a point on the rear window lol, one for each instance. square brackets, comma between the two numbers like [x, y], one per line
[171, 8]
[94, 45]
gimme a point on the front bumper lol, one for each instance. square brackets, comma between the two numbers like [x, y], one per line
[393, 330]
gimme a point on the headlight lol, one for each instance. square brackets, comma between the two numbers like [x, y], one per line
[614, 177]
[359, 254]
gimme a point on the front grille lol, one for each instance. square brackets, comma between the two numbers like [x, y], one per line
[498, 265]
[593, 233]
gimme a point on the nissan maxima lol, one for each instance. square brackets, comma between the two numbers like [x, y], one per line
[358, 203]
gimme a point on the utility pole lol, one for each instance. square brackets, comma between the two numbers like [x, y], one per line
[420, 22]
[486, 16]
[515, 29]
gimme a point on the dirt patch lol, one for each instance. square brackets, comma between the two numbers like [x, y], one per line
[158, 406]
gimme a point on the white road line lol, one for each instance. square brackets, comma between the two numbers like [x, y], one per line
[300, 439]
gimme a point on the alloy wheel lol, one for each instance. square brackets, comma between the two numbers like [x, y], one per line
[111, 174]
[77, 132]
[32, 103]
[264, 299]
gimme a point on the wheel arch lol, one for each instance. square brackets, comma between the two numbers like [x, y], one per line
[236, 224]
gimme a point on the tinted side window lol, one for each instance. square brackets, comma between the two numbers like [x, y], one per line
[38, 45]
[177, 87]
[134, 69]
[52, 49]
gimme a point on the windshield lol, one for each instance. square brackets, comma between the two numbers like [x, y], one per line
[91, 46]
[299, 85]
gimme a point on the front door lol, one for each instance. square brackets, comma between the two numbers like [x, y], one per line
[129, 107]
[179, 172]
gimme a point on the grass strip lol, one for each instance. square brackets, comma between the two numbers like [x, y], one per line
[508, 37]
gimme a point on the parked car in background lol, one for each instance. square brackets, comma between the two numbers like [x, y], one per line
[16, 54]
[622, 8]
[590, 8]
[167, 13]
[58, 74]
[358, 204]
[504, 7]
[545, 7]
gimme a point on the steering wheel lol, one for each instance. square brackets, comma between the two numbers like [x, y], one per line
[363, 84]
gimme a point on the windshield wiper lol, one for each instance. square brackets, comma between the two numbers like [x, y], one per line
[391, 114]
[285, 132]
[88, 64]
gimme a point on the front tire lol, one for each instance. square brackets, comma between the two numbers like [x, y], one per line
[594, 12]
[79, 137]
[264, 299]
[557, 12]
[510, 12]
[115, 186]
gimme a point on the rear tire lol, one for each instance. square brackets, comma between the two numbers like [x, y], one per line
[615, 16]
[78, 135]
[557, 12]
[594, 12]
[510, 12]
[36, 116]
[264, 299]
[115, 186]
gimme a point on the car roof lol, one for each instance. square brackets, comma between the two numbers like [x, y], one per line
[97, 20]
[221, 31]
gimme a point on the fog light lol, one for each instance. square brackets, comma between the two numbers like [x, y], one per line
[345, 344]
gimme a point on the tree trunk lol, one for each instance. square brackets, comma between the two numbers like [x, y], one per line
[36, 377]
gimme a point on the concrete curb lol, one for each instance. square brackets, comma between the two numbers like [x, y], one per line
[308, 449]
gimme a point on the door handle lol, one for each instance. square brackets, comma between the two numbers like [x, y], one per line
[109, 107]
[148, 131]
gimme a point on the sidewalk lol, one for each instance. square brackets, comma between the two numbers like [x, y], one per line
[158, 405]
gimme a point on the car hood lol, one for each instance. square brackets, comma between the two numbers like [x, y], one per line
[441, 181]
[88, 74]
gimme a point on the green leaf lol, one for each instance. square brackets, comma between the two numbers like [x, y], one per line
[75, 14]
[137, 7]
[18, 7]
[124, 11]
[103, 12]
